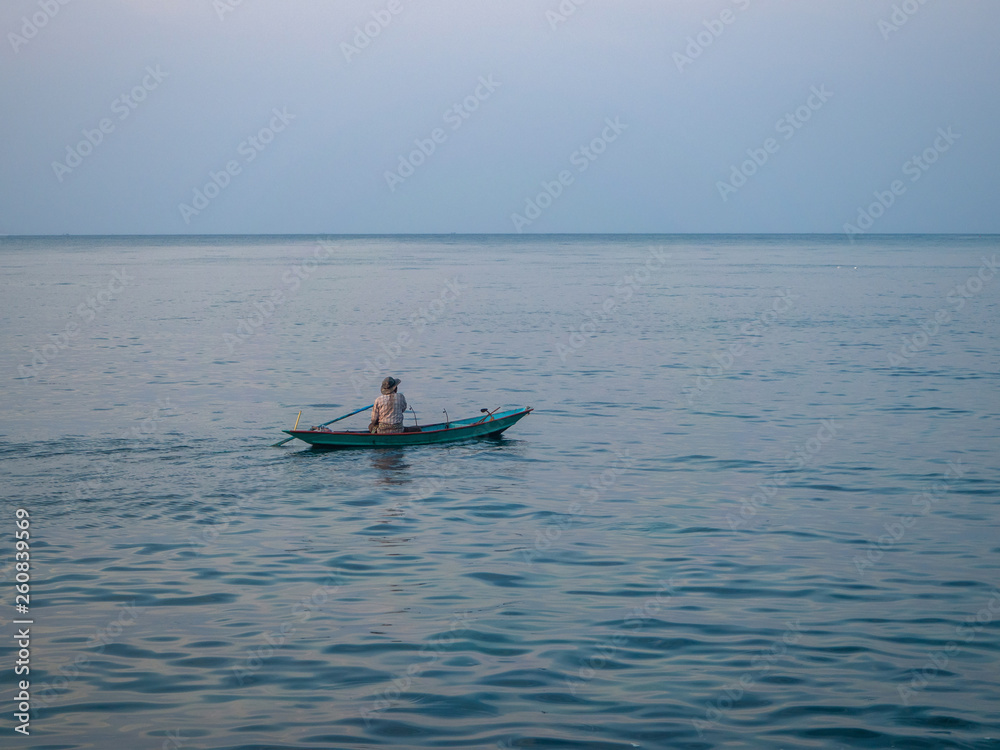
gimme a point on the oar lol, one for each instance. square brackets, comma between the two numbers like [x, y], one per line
[282, 442]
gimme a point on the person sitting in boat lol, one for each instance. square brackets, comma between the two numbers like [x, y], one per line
[387, 413]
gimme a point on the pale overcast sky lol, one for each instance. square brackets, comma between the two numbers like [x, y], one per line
[499, 116]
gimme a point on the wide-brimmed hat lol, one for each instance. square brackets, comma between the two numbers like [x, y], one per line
[389, 383]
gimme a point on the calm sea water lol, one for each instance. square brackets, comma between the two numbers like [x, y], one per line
[756, 505]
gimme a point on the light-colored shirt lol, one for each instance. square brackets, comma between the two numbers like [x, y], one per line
[389, 408]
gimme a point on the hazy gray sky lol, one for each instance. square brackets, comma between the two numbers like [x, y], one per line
[499, 116]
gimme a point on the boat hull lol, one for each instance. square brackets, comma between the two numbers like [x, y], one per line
[464, 429]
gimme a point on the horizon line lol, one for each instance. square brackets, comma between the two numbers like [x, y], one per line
[854, 238]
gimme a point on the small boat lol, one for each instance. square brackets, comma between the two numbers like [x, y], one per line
[489, 425]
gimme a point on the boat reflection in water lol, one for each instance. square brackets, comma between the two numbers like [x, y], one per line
[391, 466]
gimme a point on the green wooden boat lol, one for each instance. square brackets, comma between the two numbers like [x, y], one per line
[488, 425]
